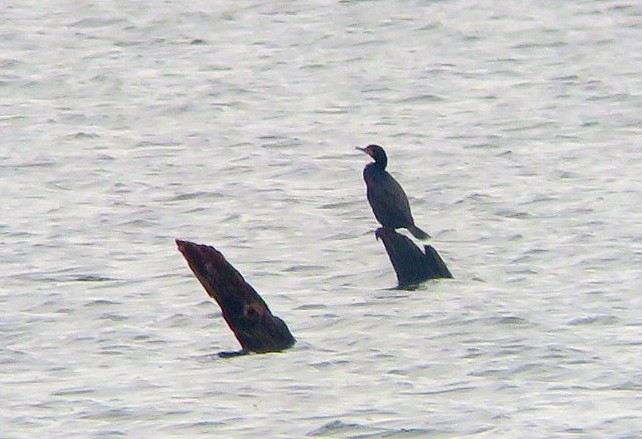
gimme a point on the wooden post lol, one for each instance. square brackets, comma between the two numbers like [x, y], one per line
[411, 265]
[245, 312]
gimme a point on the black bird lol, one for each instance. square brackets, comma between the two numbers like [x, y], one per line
[386, 196]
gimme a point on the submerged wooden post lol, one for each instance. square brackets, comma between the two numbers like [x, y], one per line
[245, 312]
[411, 265]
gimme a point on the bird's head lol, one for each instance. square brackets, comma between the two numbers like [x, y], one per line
[377, 153]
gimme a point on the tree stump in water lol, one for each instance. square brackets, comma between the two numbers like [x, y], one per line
[411, 265]
[245, 312]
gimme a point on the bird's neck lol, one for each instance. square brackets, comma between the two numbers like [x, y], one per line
[381, 163]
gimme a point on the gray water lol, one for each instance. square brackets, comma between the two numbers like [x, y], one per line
[513, 126]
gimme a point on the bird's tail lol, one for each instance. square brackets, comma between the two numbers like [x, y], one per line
[418, 233]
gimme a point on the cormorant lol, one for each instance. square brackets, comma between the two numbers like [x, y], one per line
[386, 196]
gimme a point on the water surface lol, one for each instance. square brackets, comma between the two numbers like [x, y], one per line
[514, 128]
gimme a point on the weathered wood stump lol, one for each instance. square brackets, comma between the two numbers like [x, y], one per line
[411, 265]
[245, 312]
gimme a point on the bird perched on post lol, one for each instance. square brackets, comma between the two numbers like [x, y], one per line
[386, 196]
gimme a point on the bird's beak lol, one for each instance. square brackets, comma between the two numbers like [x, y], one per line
[362, 149]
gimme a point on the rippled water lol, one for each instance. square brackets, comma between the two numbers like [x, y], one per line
[514, 127]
